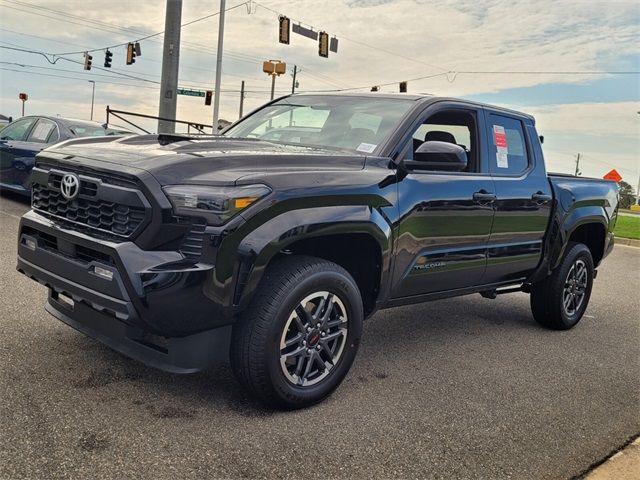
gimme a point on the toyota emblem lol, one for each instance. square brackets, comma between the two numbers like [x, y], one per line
[70, 186]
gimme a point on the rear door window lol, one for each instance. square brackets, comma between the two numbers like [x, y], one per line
[45, 131]
[507, 147]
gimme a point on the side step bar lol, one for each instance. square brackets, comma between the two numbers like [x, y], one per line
[492, 294]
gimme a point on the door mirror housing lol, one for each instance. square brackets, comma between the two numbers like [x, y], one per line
[443, 156]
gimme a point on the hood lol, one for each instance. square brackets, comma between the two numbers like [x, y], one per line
[210, 160]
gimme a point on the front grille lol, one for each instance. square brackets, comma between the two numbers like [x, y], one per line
[111, 217]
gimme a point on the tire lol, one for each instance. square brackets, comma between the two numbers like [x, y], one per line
[272, 345]
[551, 301]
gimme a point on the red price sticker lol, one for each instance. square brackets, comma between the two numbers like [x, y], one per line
[500, 136]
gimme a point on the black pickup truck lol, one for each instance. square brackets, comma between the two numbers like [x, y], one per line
[270, 243]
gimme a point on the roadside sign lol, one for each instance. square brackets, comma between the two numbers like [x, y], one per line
[613, 175]
[190, 93]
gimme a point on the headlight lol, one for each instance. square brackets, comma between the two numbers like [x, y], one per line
[216, 204]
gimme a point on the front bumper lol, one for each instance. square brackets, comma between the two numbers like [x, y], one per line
[156, 307]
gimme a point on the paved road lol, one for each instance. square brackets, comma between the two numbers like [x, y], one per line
[461, 388]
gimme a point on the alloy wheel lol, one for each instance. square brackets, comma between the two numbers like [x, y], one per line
[313, 339]
[575, 287]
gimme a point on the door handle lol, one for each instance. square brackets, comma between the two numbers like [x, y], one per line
[484, 196]
[540, 197]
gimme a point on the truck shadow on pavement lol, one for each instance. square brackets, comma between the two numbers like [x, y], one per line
[421, 336]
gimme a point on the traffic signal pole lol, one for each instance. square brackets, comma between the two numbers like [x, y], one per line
[293, 83]
[93, 96]
[216, 91]
[170, 63]
[241, 98]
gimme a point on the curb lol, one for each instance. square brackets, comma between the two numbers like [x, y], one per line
[629, 242]
[622, 465]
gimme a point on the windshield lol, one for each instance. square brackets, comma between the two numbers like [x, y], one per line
[354, 123]
[87, 129]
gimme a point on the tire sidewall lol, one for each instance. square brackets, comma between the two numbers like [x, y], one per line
[343, 287]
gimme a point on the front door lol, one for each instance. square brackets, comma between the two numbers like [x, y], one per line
[445, 217]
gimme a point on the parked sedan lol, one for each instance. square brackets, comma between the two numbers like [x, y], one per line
[22, 139]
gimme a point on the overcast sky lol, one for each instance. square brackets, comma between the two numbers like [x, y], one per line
[379, 42]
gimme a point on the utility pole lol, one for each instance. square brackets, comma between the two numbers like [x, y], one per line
[577, 165]
[216, 91]
[293, 84]
[170, 63]
[241, 98]
[93, 95]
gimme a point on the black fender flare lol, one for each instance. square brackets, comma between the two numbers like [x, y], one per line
[560, 230]
[260, 246]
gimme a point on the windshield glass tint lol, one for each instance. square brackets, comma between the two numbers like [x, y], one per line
[354, 123]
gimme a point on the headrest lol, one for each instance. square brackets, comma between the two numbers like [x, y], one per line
[439, 136]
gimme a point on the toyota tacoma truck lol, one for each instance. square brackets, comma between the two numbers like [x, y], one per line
[271, 243]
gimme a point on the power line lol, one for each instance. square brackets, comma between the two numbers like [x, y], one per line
[195, 87]
[117, 29]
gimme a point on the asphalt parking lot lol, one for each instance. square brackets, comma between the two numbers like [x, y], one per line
[460, 388]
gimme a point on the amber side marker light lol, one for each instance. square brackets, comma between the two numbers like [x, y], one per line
[244, 202]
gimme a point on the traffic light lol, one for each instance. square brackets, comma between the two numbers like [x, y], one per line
[374, 88]
[323, 44]
[137, 49]
[131, 54]
[87, 61]
[107, 59]
[403, 87]
[207, 97]
[285, 25]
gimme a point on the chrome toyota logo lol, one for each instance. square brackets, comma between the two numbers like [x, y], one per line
[70, 186]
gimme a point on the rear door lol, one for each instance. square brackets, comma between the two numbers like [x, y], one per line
[445, 216]
[15, 150]
[523, 191]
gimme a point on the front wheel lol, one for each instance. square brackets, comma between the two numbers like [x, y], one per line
[296, 342]
[560, 300]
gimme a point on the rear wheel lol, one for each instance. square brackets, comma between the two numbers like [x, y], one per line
[560, 300]
[296, 342]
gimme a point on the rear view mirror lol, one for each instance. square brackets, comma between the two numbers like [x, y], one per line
[443, 156]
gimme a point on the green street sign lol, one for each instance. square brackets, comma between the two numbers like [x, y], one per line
[190, 93]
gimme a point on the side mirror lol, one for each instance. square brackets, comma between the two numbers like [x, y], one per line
[443, 156]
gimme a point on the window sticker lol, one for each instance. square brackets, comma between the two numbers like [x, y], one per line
[42, 130]
[502, 159]
[500, 137]
[502, 146]
[366, 147]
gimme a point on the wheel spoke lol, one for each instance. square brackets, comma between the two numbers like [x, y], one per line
[318, 311]
[299, 366]
[338, 321]
[328, 311]
[303, 318]
[333, 336]
[326, 349]
[567, 301]
[292, 341]
[293, 354]
[307, 370]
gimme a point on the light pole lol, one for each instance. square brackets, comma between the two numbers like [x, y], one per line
[216, 92]
[93, 95]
